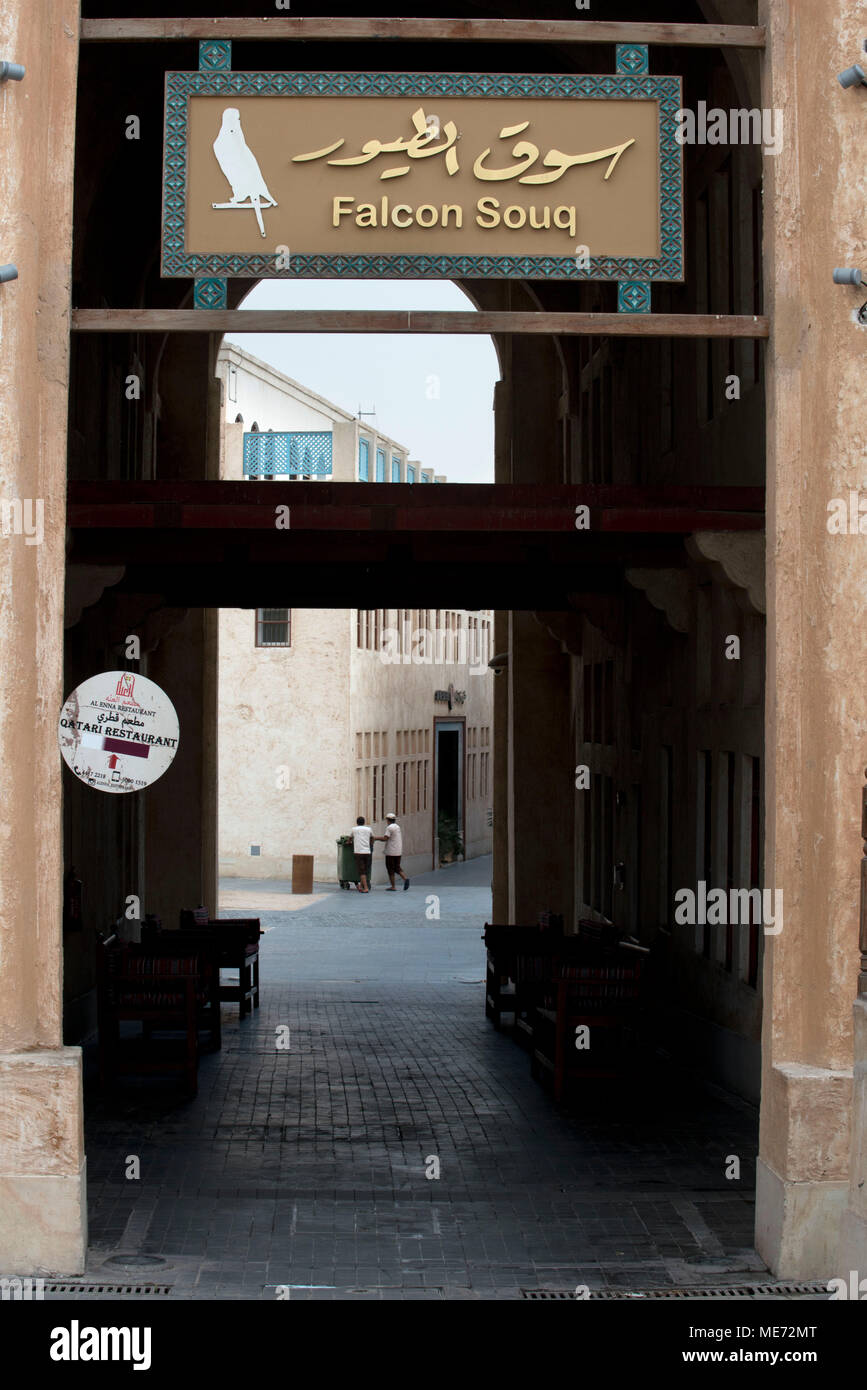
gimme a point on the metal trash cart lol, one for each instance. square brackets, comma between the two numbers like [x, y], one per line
[347, 873]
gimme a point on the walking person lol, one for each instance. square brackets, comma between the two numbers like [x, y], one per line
[362, 846]
[393, 850]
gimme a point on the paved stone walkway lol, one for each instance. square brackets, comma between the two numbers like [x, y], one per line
[308, 1165]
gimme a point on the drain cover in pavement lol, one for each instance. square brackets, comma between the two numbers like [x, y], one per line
[134, 1261]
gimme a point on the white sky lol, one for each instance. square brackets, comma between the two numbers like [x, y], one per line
[399, 374]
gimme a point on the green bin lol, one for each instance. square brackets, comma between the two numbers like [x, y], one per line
[347, 873]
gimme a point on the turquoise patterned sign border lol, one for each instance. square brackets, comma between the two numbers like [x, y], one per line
[181, 86]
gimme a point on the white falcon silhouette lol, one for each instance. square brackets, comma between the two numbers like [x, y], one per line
[241, 167]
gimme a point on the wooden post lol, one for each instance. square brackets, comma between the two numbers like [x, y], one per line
[862, 977]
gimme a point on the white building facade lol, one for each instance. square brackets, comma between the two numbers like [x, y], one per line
[328, 714]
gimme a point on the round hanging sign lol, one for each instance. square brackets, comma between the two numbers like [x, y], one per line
[118, 732]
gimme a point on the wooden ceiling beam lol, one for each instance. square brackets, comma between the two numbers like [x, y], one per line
[326, 30]
[421, 321]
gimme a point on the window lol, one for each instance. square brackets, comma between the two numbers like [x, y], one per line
[410, 474]
[273, 628]
[395, 468]
[427, 477]
[233, 384]
[363, 461]
[380, 465]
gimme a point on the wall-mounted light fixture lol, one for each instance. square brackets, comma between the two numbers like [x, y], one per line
[12, 72]
[852, 77]
[8, 272]
[849, 275]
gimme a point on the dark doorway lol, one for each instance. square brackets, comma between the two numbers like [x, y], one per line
[449, 789]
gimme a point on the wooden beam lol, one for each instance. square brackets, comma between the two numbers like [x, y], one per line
[401, 510]
[326, 30]
[404, 321]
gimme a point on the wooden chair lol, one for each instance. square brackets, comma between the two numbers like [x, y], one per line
[597, 987]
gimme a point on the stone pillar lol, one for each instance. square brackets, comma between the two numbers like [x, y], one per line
[816, 706]
[344, 446]
[42, 1206]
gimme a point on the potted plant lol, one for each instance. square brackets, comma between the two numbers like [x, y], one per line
[449, 834]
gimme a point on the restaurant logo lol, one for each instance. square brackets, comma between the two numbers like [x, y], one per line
[126, 688]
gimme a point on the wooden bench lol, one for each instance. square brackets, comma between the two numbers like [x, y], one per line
[168, 990]
[237, 941]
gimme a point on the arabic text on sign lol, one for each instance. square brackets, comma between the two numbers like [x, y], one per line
[421, 146]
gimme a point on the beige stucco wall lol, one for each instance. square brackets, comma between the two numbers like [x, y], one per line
[284, 773]
[288, 719]
[816, 713]
[42, 1215]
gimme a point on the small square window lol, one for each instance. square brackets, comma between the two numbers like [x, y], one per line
[273, 627]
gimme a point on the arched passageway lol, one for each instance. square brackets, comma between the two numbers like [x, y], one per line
[614, 659]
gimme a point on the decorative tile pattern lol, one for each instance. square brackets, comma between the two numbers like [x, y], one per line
[295, 452]
[209, 293]
[633, 297]
[215, 55]
[182, 86]
[633, 58]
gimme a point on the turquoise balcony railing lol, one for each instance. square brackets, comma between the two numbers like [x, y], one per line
[293, 454]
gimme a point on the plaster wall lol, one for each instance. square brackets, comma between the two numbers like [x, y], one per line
[816, 716]
[42, 1212]
[284, 773]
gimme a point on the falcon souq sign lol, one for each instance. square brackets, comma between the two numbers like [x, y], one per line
[422, 174]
